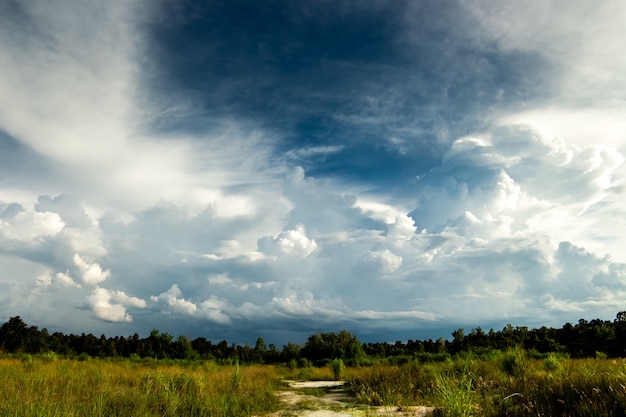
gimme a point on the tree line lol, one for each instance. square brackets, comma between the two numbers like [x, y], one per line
[583, 339]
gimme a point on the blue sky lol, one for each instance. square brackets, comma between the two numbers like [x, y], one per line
[235, 169]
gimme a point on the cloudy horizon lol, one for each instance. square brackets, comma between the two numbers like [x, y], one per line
[233, 170]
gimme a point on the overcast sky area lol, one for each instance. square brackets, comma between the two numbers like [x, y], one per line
[233, 169]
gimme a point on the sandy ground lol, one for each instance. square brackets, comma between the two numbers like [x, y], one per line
[335, 403]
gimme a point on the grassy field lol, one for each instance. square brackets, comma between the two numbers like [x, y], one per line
[501, 384]
[44, 387]
[493, 384]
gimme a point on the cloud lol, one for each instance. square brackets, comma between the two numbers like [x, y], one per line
[210, 309]
[62, 279]
[23, 226]
[126, 300]
[398, 223]
[583, 72]
[213, 310]
[519, 179]
[584, 42]
[65, 279]
[292, 242]
[313, 151]
[178, 305]
[91, 273]
[219, 279]
[602, 124]
[75, 53]
[68, 208]
[93, 125]
[385, 261]
[435, 165]
[10, 210]
[112, 305]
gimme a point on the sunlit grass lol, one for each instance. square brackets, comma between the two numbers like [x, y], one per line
[40, 387]
[503, 383]
[509, 383]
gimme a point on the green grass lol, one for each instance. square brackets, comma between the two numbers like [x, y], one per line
[42, 387]
[507, 384]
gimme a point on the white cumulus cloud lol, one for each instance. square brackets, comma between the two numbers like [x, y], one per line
[91, 273]
[26, 226]
[112, 305]
[290, 242]
[172, 298]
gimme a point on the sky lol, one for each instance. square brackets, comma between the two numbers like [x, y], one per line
[233, 169]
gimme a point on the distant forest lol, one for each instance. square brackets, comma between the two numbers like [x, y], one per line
[595, 338]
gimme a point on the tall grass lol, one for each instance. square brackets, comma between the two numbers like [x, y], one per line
[507, 384]
[456, 393]
[41, 387]
[588, 387]
[408, 384]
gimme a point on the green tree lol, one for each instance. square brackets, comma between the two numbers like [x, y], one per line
[14, 335]
[322, 347]
[182, 349]
[619, 340]
[441, 345]
[157, 345]
[458, 340]
[203, 347]
[291, 351]
[260, 351]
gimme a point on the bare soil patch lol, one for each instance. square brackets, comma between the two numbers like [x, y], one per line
[330, 400]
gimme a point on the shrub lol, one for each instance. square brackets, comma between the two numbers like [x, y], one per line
[339, 369]
[551, 363]
[49, 356]
[514, 361]
[457, 396]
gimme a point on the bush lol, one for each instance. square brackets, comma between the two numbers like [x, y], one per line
[339, 369]
[49, 356]
[514, 362]
[551, 363]
[457, 396]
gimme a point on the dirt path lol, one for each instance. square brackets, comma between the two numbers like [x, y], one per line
[327, 399]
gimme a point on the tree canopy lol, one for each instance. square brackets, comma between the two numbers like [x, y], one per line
[583, 339]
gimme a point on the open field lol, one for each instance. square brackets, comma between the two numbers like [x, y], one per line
[500, 384]
[495, 384]
[42, 387]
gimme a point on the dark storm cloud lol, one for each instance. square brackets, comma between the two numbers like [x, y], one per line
[392, 83]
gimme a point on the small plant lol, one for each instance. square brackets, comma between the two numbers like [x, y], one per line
[26, 358]
[339, 369]
[49, 356]
[457, 395]
[236, 378]
[304, 363]
[514, 362]
[601, 355]
[551, 363]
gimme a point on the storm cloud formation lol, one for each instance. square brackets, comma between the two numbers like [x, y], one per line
[231, 169]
